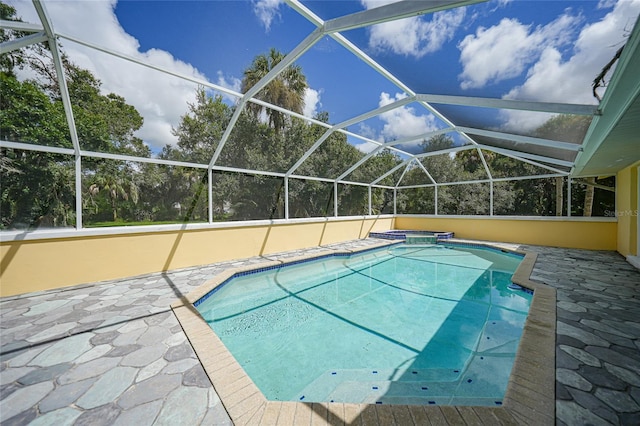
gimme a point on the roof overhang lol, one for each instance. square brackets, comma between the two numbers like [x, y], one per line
[612, 142]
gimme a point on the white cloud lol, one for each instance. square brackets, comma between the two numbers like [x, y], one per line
[368, 132]
[414, 36]
[161, 99]
[311, 102]
[606, 4]
[231, 83]
[266, 11]
[366, 147]
[403, 121]
[554, 79]
[504, 51]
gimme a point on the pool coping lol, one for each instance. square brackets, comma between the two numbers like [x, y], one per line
[529, 398]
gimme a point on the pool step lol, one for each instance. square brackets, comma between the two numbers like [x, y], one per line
[421, 239]
[402, 392]
[427, 386]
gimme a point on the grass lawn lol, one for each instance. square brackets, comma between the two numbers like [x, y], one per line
[140, 223]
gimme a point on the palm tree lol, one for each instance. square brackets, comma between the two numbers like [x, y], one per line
[286, 90]
[588, 196]
[559, 195]
[117, 183]
[569, 128]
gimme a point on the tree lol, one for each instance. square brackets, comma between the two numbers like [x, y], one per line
[567, 128]
[332, 158]
[286, 90]
[38, 188]
[117, 181]
[371, 170]
[201, 129]
[27, 114]
[15, 58]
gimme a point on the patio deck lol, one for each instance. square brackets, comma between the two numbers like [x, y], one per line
[114, 352]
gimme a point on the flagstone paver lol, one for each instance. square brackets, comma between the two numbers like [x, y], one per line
[114, 353]
[598, 334]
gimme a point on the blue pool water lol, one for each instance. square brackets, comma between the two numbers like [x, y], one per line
[399, 325]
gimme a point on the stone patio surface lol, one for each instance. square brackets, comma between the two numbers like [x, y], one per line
[114, 353]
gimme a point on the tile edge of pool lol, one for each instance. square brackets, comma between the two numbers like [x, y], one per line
[529, 398]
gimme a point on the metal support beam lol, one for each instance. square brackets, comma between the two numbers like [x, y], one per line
[191, 79]
[385, 108]
[429, 185]
[62, 81]
[390, 145]
[395, 201]
[555, 108]
[44, 18]
[286, 197]
[210, 193]
[50, 37]
[569, 196]
[289, 59]
[549, 176]
[310, 151]
[359, 163]
[227, 133]
[533, 163]
[391, 171]
[484, 163]
[313, 18]
[78, 189]
[335, 199]
[347, 123]
[522, 139]
[20, 26]
[446, 151]
[33, 147]
[491, 198]
[21, 42]
[523, 155]
[406, 169]
[420, 137]
[427, 172]
[163, 70]
[302, 47]
[595, 185]
[392, 12]
[435, 198]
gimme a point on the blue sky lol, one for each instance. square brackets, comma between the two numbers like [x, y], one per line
[531, 50]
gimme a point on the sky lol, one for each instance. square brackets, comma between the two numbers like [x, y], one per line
[528, 50]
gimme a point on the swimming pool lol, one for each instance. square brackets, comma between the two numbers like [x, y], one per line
[400, 325]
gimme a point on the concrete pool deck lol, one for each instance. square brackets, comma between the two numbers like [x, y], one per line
[115, 353]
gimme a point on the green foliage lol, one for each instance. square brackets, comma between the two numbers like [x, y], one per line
[104, 123]
[564, 127]
[200, 129]
[286, 90]
[116, 180]
[28, 115]
[10, 60]
[107, 224]
[38, 189]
